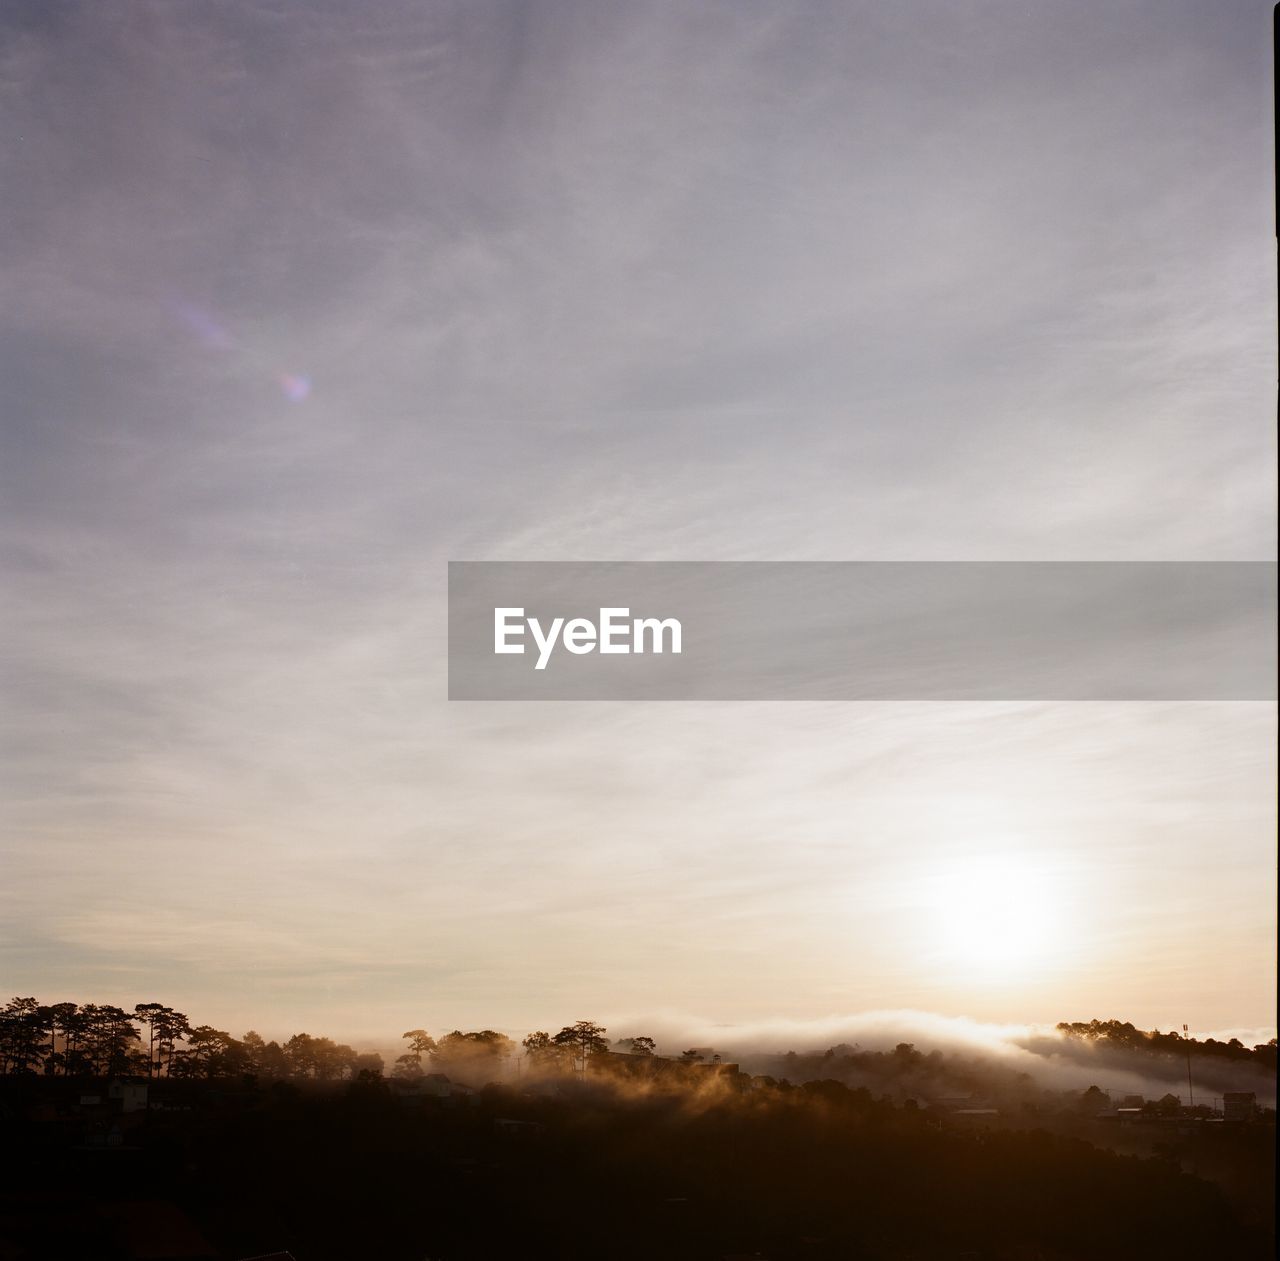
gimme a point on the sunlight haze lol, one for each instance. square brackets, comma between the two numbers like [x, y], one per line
[304, 302]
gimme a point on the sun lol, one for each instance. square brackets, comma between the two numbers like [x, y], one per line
[995, 917]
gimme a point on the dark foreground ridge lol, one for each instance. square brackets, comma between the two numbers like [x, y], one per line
[612, 1151]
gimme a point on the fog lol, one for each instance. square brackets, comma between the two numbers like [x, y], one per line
[945, 1056]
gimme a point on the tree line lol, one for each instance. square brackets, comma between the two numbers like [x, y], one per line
[1122, 1034]
[567, 1051]
[156, 1041]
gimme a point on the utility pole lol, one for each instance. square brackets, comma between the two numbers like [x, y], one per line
[1191, 1095]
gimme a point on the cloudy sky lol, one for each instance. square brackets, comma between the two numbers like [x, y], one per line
[305, 300]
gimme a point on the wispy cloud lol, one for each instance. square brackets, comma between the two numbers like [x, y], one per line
[620, 281]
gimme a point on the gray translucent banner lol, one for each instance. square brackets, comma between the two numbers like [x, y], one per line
[847, 631]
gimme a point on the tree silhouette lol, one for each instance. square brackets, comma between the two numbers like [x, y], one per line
[1093, 1101]
[164, 1027]
[544, 1055]
[109, 1037]
[171, 1027]
[583, 1038]
[75, 1036]
[420, 1043]
[319, 1058]
[639, 1046]
[22, 1028]
[209, 1053]
[62, 1018]
[254, 1049]
[477, 1055]
[273, 1062]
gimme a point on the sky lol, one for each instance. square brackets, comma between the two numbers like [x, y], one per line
[305, 300]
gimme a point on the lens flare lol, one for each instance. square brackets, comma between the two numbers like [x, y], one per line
[296, 386]
[203, 325]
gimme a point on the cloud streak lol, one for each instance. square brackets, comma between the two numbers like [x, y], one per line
[609, 281]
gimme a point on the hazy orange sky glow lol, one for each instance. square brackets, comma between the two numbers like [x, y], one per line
[308, 300]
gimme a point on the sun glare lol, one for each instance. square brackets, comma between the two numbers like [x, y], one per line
[996, 917]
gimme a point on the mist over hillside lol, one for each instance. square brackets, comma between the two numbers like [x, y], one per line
[912, 1052]
[921, 1054]
[471, 1144]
